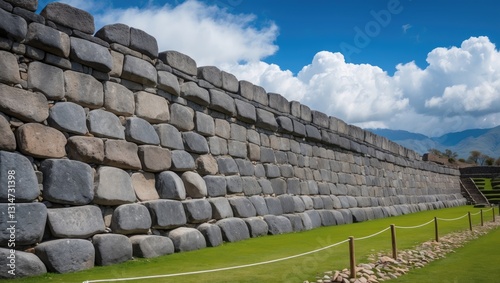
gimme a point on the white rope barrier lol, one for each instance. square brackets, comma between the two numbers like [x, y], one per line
[413, 227]
[477, 213]
[453, 219]
[217, 269]
[372, 235]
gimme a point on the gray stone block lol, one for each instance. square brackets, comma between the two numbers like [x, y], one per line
[251, 186]
[115, 33]
[26, 223]
[149, 246]
[197, 210]
[26, 264]
[238, 133]
[237, 149]
[105, 124]
[69, 16]
[8, 139]
[256, 226]
[220, 208]
[299, 205]
[75, 222]
[169, 83]
[313, 133]
[229, 82]
[317, 202]
[9, 68]
[170, 186]
[299, 129]
[227, 166]
[293, 186]
[211, 74]
[91, 54]
[242, 207]
[314, 217]
[154, 158]
[233, 229]
[272, 171]
[194, 142]
[296, 221]
[122, 154]
[266, 120]
[267, 155]
[113, 187]
[46, 79]
[12, 26]
[191, 91]
[245, 111]
[187, 239]
[267, 187]
[26, 184]
[139, 71]
[111, 249]
[287, 203]
[182, 161]
[169, 136]
[234, 184]
[67, 181]
[68, 117]
[285, 124]
[139, 131]
[279, 186]
[182, 117]
[278, 224]
[259, 204]
[30, 5]
[218, 146]
[205, 124]
[143, 42]
[274, 205]
[83, 89]
[194, 184]
[306, 221]
[222, 102]
[179, 61]
[66, 255]
[150, 107]
[131, 219]
[260, 95]
[144, 186]
[278, 102]
[245, 167]
[320, 119]
[216, 185]
[23, 105]
[166, 214]
[327, 218]
[246, 89]
[358, 214]
[212, 234]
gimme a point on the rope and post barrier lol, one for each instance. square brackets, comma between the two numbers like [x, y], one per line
[393, 242]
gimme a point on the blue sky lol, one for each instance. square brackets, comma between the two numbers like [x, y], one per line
[424, 66]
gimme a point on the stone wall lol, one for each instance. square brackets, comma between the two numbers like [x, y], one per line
[111, 150]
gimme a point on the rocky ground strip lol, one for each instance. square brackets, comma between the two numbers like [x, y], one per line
[383, 267]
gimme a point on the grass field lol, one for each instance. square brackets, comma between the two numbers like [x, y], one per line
[275, 247]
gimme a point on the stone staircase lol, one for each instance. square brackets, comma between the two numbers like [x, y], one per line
[472, 192]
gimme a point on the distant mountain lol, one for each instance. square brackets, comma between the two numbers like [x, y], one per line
[487, 141]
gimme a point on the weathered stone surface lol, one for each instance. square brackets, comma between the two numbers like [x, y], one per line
[327, 218]
[211, 74]
[194, 142]
[287, 203]
[212, 234]
[166, 214]
[179, 61]
[139, 131]
[216, 185]
[113, 187]
[233, 229]
[66, 255]
[139, 71]
[260, 95]
[75, 222]
[105, 124]
[149, 246]
[154, 158]
[278, 224]
[279, 186]
[306, 221]
[111, 249]
[182, 117]
[242, 207]
[194, 184]
[234, 184]
[246, 89]
[68, 117]
[256, 226]
[143, 42]
[26, 184]
[91, 54]
[274, 206]
[237, 149]
[285, 124]
[299, 129]
[115, 33]
[246, 111]
[169, 83]
[251, 186]
[182, 161]
[245, 167]
[266, 120]
[222, 102]
[220, 208]
[30, 5]
[272, 171]
[12, 26]
[85, 149]
[206, 165]
[150, 107]
[313, 133]
[187, 239]
[205, 124]
[296, 221]
[131, 219]
[278, 102]
[197, 210]
[315, 218]
[320, 119]
[40, 141]
[358, 214]
[46, 79]
[259, 204]
[83, 89]
[25, 106]
[27, 264]
[227, 166]
[144, 186]
[67, 181]
[169, 136]
[8, 139]
[121, 154]
[69, 17]
[191, 91]
[229, 82]
[9, 68]
[29, 226]
[118, 99]
[218, 146]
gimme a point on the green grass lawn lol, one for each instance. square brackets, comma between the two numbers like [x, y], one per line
[274, 247]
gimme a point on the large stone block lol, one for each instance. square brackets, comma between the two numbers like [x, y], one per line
[143, 42]
[12, 26]
[220, 208]
[222, 102]
[206, 165]
[105, 124]
[69, 16]
[182, 117]
[216, 185]
[66, 255]
[83, 89]
[279, 186]
[41, 141]
[242, 207]
[250, 186]
[8, 139]
[139, 131]
[166, 214]
[111, 249]
[227, 166]
[85, 149]
[237, 149]
[212, 234]
[197, 210]
[26, 223]
[169, 136]
[245, 111]
[195, 143]
[154, 158]
[67, 181]
[179, 61]
[150, 107]
[256, 226]
[259, 204]
[287, 203]
[285, 124]
[118, 99]
[327, 218]
[278, 102]
[121, 154]
[139, 71]
[75, 222]
[91, 54]
[30, 5]
[113, 187]
[234, 184]
[245, 167]
[233, 229]
[169, 83]
[296, 221]
[18, 166]
[274, 206]
[131, 219]
[23, 105]
[229, 82]
[115, 33]
[26, 265]
[194, 184]
[144, 186]
[170, 186]
[68, 117]
[191, 91]
[149, 246]
[266, 120]
[218, 146]
[306, 221]
[205, 124]
[187, 239]
[278, 224]
[211, 74]
[314, 217]
[182, 161]
[9, 68]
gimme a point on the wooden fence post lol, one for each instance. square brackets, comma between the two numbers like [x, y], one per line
[470, 221]
[393, 240]
[436, 228]
[352, 257]
[482, 219]
[493, 209]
